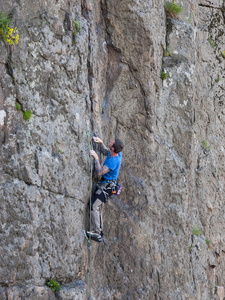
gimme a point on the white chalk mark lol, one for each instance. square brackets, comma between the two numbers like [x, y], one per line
[2, 116]
[104, 46]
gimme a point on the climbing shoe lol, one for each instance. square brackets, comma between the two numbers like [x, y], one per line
[94, 236]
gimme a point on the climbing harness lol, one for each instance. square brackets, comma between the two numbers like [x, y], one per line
[103, 192]
[114, 184]
[118, 189]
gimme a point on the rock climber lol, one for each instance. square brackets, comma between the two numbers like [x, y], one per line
[109, 173]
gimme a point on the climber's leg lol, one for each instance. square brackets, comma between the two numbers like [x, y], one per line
[96, 216]
[101, 196]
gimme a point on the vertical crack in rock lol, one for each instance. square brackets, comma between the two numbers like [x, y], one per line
[113, 67]
[85, 12]
[113, 71]
[8, 67]
[113, 64]
[67, 22]
[8, 64]
[3, 118]
[223, 11]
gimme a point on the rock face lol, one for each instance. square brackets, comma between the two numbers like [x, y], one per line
[164, 235]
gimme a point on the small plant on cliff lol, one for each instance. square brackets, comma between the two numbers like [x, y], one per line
[217, 79]
[167, 53]
[196, 231]
[54, 285]
[164, 75]
[205, 145]
[172, 9]
[212, 44]
[18, 106]
[9, 35]
[77, 27]
[4, 23]
[208, 242]
[223, 54]
[27, 115]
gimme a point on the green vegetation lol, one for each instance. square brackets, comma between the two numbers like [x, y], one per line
[167, 52]
[164, 75]
[61, 152]
[212, 44]
[208, 242]
[27, 115]
[172, 9]
[77, 27]
[9, 35]
[4, 24]
[217, 79]
[18, 106]
[205, 145]
[54, 285]
[223, 54]
[196, 231]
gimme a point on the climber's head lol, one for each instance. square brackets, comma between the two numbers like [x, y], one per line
[117, 145]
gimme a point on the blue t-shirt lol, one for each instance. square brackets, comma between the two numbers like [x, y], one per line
[113, 163]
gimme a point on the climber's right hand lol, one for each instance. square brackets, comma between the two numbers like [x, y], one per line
[97, 140]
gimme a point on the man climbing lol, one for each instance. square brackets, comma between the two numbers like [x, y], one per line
[109, 172]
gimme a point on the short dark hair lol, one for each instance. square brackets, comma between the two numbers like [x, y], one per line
[118, 146]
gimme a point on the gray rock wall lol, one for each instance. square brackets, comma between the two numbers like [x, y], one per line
[107, 79]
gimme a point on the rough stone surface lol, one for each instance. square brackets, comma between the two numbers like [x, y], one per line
[74, 290]
[164, 235]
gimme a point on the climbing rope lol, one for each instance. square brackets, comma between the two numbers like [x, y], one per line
[89, 242]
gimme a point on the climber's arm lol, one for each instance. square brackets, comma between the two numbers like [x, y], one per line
[99, 169]
[104, 150]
